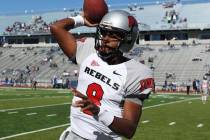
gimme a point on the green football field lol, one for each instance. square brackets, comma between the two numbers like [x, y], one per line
[43, 114]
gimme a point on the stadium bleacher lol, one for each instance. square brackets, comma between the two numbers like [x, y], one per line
[34, 63]
[150, 15]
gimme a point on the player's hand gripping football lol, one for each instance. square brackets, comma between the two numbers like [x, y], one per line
[87, 106]
[87, 23]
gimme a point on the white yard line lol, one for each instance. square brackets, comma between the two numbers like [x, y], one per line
[170, 103]
[14, 99]
[32, 98]
[30, 132]
[3, 110]
[40, 130]
[48, 89]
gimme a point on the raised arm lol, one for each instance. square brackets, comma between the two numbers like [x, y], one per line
[60, 31]
[65, 39]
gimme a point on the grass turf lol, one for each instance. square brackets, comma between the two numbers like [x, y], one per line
[184, 113]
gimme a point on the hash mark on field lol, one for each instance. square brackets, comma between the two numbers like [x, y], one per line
[200, 125]
[189, 102]
[14, 112]
[29, 114]
[172, 123]
[51, 115]
[146, 121]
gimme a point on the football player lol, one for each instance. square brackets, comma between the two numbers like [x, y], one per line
[111, 88]
[205, 89]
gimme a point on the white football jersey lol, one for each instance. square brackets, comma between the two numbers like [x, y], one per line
[108, 86]
[205, 84]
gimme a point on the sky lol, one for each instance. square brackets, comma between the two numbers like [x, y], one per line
[19, 6]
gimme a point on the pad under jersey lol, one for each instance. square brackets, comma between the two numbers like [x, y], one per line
[108, 86]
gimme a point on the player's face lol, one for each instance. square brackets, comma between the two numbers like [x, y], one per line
[110, 40]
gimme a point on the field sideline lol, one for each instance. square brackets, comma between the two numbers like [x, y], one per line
[43, 114]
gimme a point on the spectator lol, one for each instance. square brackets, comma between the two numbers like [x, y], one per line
[54, 81]
[165, 86]
[6, 80]
[60, 82]
[34, 84]
[205, 89]
[188, 84]
[75, 73]
[194, 85]
[198, 85]
[67, 83]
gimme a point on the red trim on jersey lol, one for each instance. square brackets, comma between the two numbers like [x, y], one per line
[146, 83]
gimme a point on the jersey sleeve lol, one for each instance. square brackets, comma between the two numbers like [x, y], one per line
[139, 82]
[85, 47]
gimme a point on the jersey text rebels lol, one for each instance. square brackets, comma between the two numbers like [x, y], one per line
[101, 77]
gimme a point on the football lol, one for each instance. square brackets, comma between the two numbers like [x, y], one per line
[94, 10]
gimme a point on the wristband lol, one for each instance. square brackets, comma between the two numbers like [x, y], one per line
[78, 21]
[105, 117]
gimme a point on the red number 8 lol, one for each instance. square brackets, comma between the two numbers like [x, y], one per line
[95, 93]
